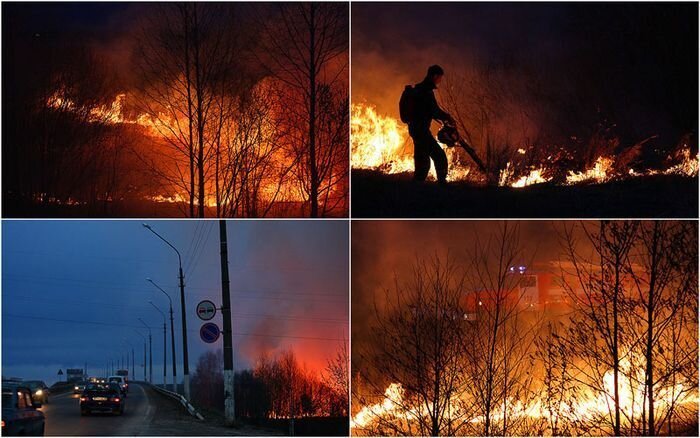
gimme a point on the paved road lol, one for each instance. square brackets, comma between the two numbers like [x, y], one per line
[63, 416]
[146, 413]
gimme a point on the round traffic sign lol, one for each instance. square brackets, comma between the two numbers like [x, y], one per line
[209, 332]
[206, 310]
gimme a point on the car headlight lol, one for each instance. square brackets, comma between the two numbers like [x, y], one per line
[39, 392]
[76, 387]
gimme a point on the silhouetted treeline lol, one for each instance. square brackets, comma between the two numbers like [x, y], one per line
[278, 387]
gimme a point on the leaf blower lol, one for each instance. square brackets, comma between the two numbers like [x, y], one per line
[448, 135]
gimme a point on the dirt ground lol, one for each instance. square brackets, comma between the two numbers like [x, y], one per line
[376, 195]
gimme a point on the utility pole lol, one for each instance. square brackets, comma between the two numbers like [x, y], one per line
[150, 357]
[185, 357]
[144, 354]
[172, 334]
[165, 348]
[229, 401]
[184, 335]
[150, 351]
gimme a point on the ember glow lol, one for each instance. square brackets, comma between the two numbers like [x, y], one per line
[381, 142]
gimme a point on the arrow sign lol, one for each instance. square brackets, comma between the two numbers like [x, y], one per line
[206, 310]
[209, 332]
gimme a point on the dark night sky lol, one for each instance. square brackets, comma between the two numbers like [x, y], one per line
[289, 282]
[636, 63]
[90, 17]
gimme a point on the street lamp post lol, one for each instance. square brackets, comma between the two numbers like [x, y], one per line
[150, 352]
[165, 347]
[133, 370]
[144, 354]
[185, 360]
[172, 334]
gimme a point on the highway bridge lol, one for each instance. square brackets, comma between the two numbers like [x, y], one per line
[147, 413]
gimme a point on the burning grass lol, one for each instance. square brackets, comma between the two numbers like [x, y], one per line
[399, 409]
[382, 143]
[155, 128]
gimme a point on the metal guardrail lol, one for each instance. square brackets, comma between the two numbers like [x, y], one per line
[183, 401]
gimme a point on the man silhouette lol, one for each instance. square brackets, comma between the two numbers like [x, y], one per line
[425, 109]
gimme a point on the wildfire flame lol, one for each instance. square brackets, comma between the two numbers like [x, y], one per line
[379, 143]
[600, 172]
[688, 166]
[588, 406]
[160, 125]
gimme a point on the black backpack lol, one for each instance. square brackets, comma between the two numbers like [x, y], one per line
[407, 104]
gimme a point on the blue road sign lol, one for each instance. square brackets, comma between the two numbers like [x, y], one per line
[209, 332]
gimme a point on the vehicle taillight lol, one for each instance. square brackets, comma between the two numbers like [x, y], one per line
[3, 423]
[115, 399]
[84, 398]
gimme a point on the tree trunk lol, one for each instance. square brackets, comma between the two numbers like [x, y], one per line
[650, 332]
[200, 114]
[312, 112]
[188, 79]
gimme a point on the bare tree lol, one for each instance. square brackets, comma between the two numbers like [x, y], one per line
[418, 346]
[337, 377]
[663, 290]
[185, 54]
[251, 170]
[307, 54]
[501, 334]
[597, 336]
[559, 387]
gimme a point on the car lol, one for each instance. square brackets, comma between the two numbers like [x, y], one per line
[79, 387]
[103, 398]
[39, 390]
[121, 381]
[19, 411]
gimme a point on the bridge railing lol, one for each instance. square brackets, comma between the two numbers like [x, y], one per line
[183, 401]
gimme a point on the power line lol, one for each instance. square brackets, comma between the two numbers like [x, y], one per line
[90, 256]
[194, 243]
[9, 315]
[131, 260]
[127, 307]
[114, 286]
[198, 256]
[194, 236]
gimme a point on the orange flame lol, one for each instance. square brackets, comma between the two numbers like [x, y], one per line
[588, 406]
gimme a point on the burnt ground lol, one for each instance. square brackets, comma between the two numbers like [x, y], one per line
[378, 195]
